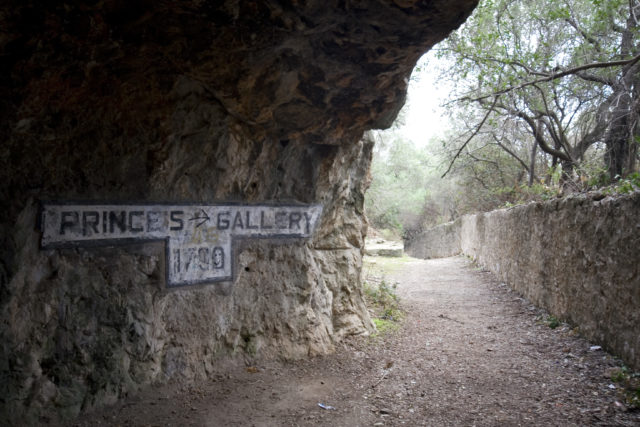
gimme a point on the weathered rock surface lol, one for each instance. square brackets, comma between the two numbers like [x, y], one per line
[382, 247]
[438, 242]
[576, 257]
[183, 102]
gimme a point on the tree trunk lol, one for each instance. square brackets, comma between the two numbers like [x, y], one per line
[618, 138]
[567, 170]
[532, 165]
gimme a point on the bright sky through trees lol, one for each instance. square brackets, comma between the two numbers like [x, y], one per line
[423, 115]
[528, 100]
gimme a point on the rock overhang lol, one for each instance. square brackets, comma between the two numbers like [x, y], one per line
[188, 102]
[323, 71]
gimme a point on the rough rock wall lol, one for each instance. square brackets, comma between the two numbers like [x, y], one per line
[437, 242]
[187, 101]
[577, 257]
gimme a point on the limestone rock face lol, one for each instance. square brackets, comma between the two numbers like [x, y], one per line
[189, 101]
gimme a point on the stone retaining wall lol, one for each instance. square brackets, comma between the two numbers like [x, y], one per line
[438, 242]
[576, 257]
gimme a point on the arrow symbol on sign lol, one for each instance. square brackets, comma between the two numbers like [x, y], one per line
[202, 219]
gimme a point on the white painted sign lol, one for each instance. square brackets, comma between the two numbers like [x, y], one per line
[199, 237]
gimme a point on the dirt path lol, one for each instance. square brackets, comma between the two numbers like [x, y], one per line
[469, 352]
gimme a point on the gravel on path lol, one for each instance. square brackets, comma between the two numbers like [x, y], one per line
[469, 352]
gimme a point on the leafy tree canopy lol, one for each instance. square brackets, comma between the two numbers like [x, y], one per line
[545, 99]
[565, 73]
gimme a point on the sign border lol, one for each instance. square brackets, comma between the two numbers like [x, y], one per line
[74, 244]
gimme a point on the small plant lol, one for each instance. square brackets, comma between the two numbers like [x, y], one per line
[388, 314]
[544, 191]
[629, 386]
[629, 184]
[384, 301]
[384, 297]
[633, 399]
[556, 175]
[599, 178]
[552, 322]
[623, 185]
[383, 326]
[621, 375]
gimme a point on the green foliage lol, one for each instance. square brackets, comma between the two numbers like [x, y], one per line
[385, 303]
[538, 140]
[488, 177]
[599, 179]
[535, 193]
[380, 296]
[552, 322]
[556, 175]
[402, 178]
[624, 185]
[629, 184]
[629, 386]
[633, 399]
[620, 375]
[541, 191]
[504, 47]
[385, 300]
[384, 326]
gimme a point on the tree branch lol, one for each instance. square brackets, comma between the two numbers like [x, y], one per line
[557, 132]
[486, 116]
[491, 162]
[596, 79]
[596, 45]
[601, 121]
[555, 76]
[540, 139]
[511, 153]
